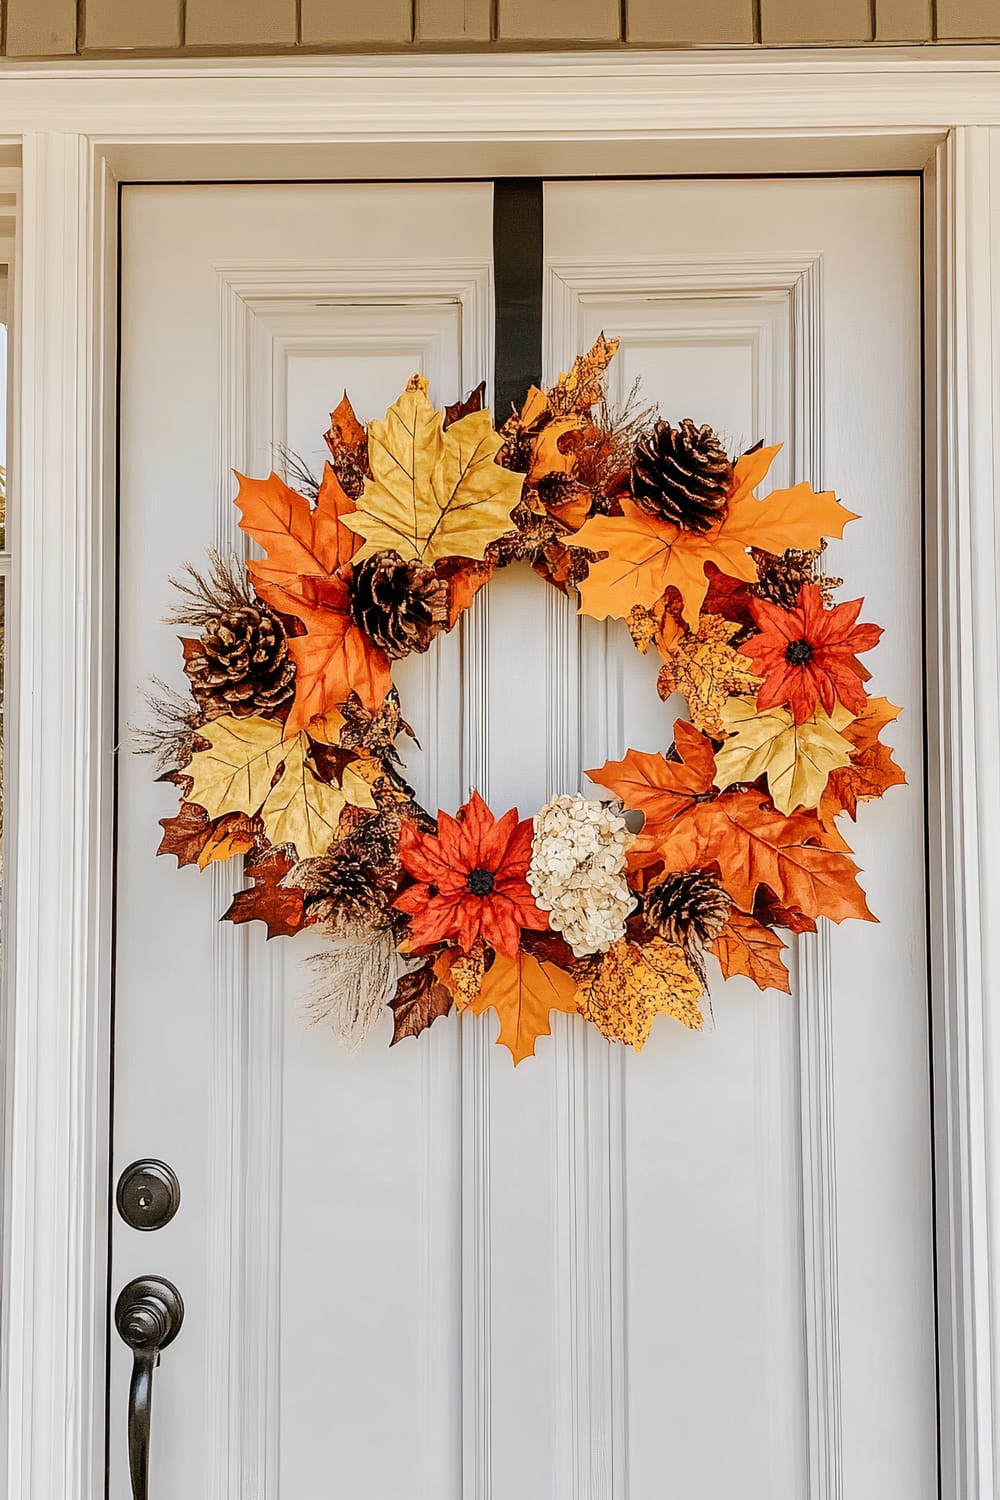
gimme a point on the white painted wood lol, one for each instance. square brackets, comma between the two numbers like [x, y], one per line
[310, 1226]
[687, 320]
[714, 112]
[963, 482]
[58, 848]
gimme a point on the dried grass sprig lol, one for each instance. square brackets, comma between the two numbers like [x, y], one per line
[226, 586]
[176, 723]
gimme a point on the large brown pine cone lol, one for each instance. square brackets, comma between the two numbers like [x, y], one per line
[356, 880]
[399, 605]
[242, 666]
[682, 475]
[689, 908]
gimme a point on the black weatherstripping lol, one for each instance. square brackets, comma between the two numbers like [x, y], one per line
[518, 220]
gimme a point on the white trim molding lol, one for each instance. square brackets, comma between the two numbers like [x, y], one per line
[963, 694]
[79, 129]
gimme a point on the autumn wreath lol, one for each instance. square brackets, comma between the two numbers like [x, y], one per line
[285, 751]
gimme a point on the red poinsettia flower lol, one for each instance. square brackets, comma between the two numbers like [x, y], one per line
[470, 880]
[807, 655]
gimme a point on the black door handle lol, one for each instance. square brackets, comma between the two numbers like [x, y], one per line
[148, 1315]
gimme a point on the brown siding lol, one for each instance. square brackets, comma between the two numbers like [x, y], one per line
[453, 20]
[786, 22]
[710, 22]
[240, 23]
[559, 20]
[63, 28]
[904, 21]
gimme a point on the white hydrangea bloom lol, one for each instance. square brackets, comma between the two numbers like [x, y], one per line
[576, 872]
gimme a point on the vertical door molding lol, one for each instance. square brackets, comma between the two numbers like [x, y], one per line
[263, 307]
[593, 1441]
[60, 845]
[963, 694]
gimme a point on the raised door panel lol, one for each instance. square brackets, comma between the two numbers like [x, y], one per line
[319, 1242]
[774, 1245]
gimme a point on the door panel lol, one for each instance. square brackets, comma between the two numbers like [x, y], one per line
[414, 1274]
[763, 1261]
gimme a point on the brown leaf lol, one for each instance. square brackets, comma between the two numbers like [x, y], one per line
[186, 833]
[745, 947]
[419, 999]
[474, 401]
[281, 908]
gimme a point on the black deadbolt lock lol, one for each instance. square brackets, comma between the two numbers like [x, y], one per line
[148, 1194]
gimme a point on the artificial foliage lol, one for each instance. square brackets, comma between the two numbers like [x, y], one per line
[606, 906]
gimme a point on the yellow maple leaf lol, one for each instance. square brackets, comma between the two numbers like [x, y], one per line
[796, 758]
[583, 386]
[636, 984]
[523, 991]
[251, 768]
[705, 669]
[434, 492]
[646, 556]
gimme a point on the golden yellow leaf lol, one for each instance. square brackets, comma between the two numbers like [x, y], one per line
[327, 728]
[705, 669]
[795, 758]
[635, 985]
[434, 493]
[583, 386]
[250, 768]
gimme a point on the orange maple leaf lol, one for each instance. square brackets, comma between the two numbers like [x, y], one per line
[334, 658]
[872, 770]
[305, 575]
[740, 832]
[523, 992]
[744, 946]
[299, 538]
[648, 556]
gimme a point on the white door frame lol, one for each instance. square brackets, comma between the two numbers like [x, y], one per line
[80, 129]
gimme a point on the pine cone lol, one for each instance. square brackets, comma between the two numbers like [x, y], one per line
[682, 475]
[399, 605]
[779, 579]
[689, 908]
[355, 882]
[243, 666]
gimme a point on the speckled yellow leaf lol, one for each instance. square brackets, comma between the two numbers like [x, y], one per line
[704, 668]
[796, 758]
[462, 973]
[250, 768]
[434, 493]
[583, 386]
[636, 984]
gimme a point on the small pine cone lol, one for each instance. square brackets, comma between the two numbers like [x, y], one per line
[354, 882]
[242, 666]
[689, 908]
[682, 475]
[400, 606]
[779, 578]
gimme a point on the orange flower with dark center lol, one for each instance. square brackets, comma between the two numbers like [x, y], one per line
[470, 880]
[808, 655]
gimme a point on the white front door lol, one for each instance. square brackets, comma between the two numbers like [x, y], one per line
[416, 1274]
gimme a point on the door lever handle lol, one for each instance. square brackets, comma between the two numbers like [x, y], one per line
[148, 1315]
